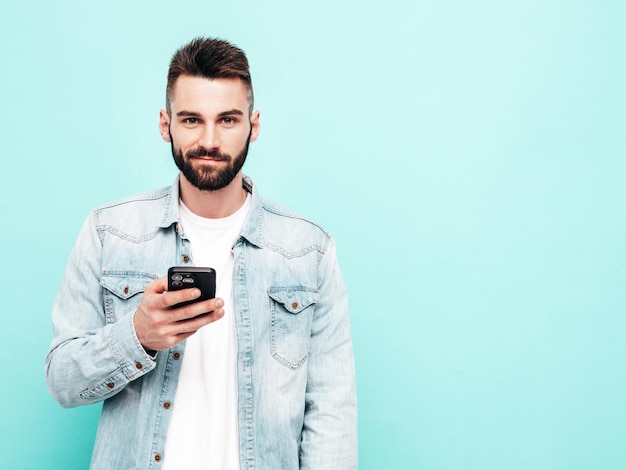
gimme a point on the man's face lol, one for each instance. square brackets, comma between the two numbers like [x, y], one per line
[209, 128]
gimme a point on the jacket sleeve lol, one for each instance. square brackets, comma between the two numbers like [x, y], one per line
[90, 359]
[329, 435]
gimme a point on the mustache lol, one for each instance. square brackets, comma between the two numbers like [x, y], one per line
[202, 152]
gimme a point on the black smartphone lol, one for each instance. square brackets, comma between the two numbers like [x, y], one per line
[181, 277]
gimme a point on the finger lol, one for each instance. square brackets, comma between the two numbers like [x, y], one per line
[192, 325]
[158, 286]
[183, 336]
[194, 309]
[172, 298]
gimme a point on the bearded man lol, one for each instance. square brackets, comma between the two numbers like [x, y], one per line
[266, 379]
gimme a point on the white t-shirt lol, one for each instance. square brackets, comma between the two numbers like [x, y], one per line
[203, 432]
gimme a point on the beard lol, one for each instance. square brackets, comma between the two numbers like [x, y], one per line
[203, 177]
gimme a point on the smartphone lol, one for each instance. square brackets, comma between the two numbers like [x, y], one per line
[182, 277]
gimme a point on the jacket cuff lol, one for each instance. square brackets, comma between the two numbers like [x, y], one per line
[132, 358]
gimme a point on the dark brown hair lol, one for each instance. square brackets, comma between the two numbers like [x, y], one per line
[209, 58]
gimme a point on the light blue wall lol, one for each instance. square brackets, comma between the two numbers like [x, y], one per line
[469, 158]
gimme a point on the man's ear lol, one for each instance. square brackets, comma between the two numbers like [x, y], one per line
[164, 125]
[255, 123]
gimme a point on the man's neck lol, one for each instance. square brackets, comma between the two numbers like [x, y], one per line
[213, 204]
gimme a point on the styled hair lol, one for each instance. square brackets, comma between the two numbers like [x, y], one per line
[209, 58]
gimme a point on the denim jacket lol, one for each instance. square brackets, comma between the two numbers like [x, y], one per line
[295, 370]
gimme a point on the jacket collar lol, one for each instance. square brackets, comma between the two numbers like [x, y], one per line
[171, 214]
[251, 229]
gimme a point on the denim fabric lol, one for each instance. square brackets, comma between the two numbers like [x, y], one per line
[296, 381]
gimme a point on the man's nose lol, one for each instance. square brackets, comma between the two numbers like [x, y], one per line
[210, 138]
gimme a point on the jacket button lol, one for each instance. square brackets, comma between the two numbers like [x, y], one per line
[110, 385]
[126, 290]
[176, 355]
[186, 259]
[138, 365]
[167, 405]
[157, 458]
[294, 305]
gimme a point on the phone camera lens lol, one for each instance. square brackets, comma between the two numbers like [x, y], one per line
[177, 284]
[177, 277]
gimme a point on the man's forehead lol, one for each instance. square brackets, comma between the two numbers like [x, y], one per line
[190, 83]
[192, 92]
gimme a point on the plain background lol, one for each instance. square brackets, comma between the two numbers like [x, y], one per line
[468, 157]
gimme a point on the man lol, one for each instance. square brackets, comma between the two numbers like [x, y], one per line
[264, 381]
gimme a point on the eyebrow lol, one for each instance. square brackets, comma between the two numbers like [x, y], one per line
[230, 113]
[184, 113]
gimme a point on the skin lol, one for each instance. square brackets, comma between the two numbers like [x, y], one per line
[213, 114]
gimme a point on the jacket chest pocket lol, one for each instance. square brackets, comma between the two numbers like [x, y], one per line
[122, 292]
[292, 310]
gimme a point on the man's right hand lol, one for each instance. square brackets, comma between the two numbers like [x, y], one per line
[159, 327]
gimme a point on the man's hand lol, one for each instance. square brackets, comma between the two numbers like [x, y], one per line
[160, 327]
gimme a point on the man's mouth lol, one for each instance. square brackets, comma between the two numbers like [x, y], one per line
[209, 156]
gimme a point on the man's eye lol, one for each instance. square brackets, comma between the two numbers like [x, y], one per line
[191, 121]
[228, 121]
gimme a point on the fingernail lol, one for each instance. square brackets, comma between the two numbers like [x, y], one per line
[195, 292]
[219, 303]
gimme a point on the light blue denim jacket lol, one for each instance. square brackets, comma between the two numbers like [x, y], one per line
[296, 381]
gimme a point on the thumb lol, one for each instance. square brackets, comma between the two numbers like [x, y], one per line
[158, 286]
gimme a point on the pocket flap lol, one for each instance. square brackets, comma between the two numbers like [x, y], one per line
[125, 284]
[294, 299]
